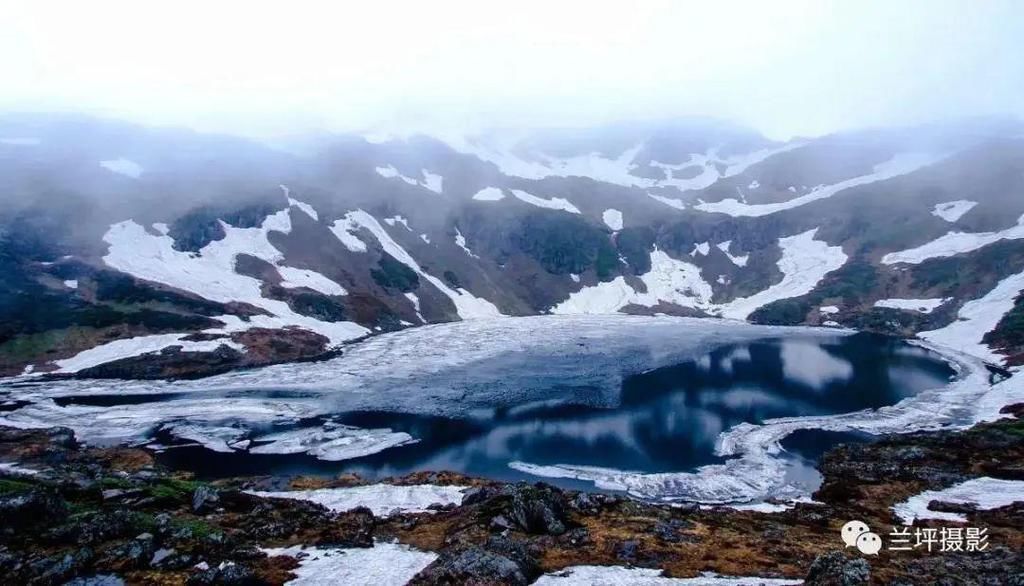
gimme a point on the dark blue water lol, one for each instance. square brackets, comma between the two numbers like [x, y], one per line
[667, 419]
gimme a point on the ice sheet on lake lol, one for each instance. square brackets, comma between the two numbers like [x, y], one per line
[628, 576]
[410, 372]
[984, 493]
[331, 442]
[757, 468]
[406, 371]
[384, 563]
[382, 499]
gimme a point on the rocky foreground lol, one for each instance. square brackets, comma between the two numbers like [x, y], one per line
[87, 512]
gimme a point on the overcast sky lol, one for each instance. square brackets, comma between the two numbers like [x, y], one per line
[266, 68]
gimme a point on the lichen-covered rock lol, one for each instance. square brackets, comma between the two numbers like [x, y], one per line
[835, 569]
[538, 508]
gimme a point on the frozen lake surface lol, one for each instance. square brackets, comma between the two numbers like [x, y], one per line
[621, 402]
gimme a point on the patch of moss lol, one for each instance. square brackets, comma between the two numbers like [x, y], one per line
[197, 528]
[114, 482]
[8, 486]
[174, 489]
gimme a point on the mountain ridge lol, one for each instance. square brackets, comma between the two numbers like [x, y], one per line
[252, 255]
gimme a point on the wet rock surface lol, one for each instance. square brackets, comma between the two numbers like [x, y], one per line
[92, 514]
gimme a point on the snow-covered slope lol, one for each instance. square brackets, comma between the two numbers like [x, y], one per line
[211, 273]
[372, 236]
[805, 261]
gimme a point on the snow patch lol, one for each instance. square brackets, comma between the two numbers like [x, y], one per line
[669, 201]
[383, 499]
[740, 261]
[295, 278]
[555, 203]
[919, 305]
[305, 207]
[804, 263]
[670, 280]
[489, 194]
[985, 493]
[14, 469]
[124, 167]
[398, 220]
[131, 347]
[702, 249]
[390, 172]
[466, 304]
[210, 273]
[416, 305]
[71, 284]
[954, 243]
[432, 181]
[384, 563]
[612, 218]
[828, 309]
[900, 164]
[754, 184]
[345, 230]
[951, 211]
[630, 576]
[460, 240]
[978, 317]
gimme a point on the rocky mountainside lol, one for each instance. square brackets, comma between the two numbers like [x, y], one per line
[140, 252]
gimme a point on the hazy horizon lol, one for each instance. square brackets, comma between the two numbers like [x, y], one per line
[796, 68]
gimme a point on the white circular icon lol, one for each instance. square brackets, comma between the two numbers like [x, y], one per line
[852, 530]
[869, 543]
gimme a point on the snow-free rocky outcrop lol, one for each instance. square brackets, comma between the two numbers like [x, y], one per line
[131, 252]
